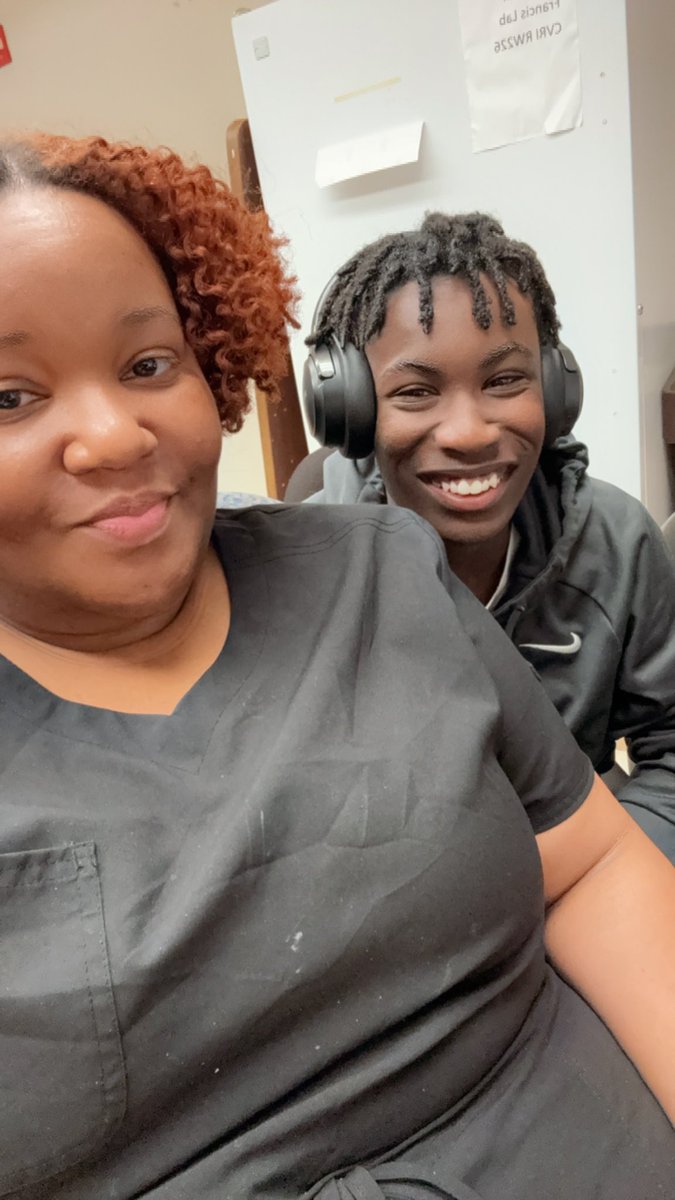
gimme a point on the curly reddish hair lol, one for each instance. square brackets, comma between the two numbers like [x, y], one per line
[222, 262]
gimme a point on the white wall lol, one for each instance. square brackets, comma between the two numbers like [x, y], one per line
[651, 43]
[152, 71]
[570, 195]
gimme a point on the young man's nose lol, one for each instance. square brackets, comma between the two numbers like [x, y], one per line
[105, 433]
[464, 427]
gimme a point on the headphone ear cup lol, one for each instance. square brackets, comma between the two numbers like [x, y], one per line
[339, 397]
[563, 390]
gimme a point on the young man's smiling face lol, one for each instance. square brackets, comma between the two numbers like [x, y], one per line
[460, 413]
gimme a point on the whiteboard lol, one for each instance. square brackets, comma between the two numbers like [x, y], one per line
[336, 70]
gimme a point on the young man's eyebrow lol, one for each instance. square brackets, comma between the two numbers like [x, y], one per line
[16, 337]
[414, 364]
[494, 357]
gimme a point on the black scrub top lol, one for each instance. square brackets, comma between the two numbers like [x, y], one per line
[293, 932]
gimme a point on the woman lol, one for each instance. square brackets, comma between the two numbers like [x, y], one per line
[273, 910]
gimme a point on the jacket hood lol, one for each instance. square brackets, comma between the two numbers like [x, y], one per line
[549, 519]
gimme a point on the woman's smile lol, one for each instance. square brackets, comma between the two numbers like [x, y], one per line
[133, 521]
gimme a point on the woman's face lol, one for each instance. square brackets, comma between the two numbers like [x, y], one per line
[109, 434]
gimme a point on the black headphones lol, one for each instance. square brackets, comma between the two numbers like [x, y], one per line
[339, 395]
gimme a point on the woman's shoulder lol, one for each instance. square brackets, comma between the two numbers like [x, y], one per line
[271, 530]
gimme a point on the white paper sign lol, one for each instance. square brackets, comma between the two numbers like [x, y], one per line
[522, 69]
[372, 152]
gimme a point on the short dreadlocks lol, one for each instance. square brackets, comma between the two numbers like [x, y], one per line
[468, 245]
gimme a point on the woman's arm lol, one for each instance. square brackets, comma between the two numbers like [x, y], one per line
[610, 930]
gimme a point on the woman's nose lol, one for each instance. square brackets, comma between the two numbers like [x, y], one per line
[106, 435]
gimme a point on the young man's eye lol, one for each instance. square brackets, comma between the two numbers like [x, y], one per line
[415, 393]
[507, 379]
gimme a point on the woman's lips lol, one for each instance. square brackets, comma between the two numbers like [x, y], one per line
[136, 528]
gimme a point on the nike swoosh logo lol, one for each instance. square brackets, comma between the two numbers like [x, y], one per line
[572, 648]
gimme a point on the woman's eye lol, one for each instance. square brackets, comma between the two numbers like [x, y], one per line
[13, 398]
[151, 366]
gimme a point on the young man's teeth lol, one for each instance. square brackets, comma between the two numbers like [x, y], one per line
[470, 487]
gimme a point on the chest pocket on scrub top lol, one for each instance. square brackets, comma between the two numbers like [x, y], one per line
[62, 1079]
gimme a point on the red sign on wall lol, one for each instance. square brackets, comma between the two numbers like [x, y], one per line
[5, 56]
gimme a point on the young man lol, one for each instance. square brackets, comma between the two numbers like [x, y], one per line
[452, 322]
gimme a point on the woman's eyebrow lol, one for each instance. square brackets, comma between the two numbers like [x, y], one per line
[16, 337]
[139, 316]
[493, 357]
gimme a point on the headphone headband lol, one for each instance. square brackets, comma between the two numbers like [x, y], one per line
[319, 304]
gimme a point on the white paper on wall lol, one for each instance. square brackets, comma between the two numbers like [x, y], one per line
[522, 69]
[372, 152]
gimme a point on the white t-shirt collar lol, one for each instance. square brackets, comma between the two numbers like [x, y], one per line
[514, 541]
